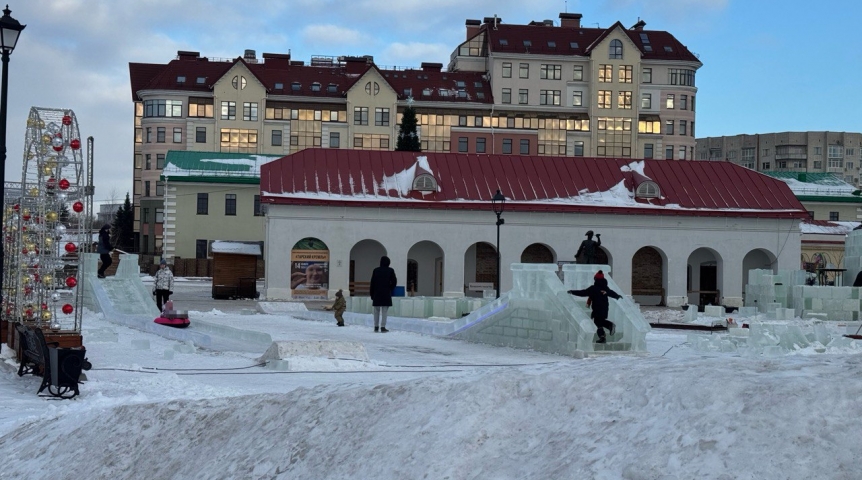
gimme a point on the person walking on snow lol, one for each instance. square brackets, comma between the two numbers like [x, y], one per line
[597, 295]
[164, 284]
[383, 281]
[104, 249]
[338, 308]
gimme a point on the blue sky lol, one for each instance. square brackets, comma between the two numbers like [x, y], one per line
[768, 65]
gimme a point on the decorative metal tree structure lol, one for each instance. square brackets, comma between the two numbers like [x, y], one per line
[42, 243]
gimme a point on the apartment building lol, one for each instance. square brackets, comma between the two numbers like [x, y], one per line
[838, 153]
[535, 89]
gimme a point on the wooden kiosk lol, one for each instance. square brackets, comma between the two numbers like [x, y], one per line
[235, 270]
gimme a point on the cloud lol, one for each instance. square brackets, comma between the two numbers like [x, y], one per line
[414, 53]
[333, 35]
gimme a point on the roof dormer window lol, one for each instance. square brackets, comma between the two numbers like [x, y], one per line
[181, 79]
[201, 80]
[279, 86]
[426, 92]
[425, 183]
[648, 190]
[295, 86]
[315, 87]
[332, 88]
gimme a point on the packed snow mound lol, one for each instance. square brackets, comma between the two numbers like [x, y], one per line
[614, 418]
[315, 349]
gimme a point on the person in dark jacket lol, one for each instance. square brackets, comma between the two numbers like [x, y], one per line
[383, 281]
[104, 249]
[597, 295]
[586, 253]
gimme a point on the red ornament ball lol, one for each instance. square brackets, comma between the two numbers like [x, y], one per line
[44, 306]
[51, 183]
[78, 207]
[67, 120]
[75, 144]
[67, 309]
[16, 207]
[70, 247]
[71, 282]
[64, 184]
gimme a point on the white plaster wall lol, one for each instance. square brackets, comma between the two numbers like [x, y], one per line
[456, 230]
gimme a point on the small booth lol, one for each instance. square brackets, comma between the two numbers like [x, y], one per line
[235, 270]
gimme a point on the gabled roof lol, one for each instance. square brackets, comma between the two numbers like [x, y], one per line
[530, 183]
[282, 73]
[213, 167]
[552, 40]
[826, 227]
[817, 184]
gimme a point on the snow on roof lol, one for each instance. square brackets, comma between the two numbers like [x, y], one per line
[402, 181]
[214, 164]
[814, 183]
[824, 227]
[237, 248]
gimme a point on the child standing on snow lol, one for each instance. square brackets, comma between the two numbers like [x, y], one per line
[164, 284]
[597, 295]
[339, 307]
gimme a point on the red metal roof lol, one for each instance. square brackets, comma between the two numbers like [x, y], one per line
[530, 183]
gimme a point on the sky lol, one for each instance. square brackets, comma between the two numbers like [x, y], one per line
[405, 405]
[768, 66]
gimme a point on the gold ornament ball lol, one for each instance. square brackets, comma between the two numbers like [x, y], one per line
[51, 216]
[34, 192]
[47, 279]
[49, 241]
[46, 139]
[46, 170]
[46, 315]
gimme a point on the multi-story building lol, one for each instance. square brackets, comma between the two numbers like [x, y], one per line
[535, 89]
[839, 153]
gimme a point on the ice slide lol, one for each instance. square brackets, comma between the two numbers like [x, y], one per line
[124, 299]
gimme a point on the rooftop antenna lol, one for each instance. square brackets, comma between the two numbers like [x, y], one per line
[597, 25]
[495, 21]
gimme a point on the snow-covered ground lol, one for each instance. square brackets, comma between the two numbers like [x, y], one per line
[427, 407]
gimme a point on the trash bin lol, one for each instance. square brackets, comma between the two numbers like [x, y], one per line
[65, 367]
[398, 291]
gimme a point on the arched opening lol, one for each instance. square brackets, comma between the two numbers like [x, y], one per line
[364, 258]
[480, 269]
[426, 277]
[705, 271]
[538, 253]
[309, 269]
[648, 279]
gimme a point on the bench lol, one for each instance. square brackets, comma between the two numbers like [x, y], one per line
[360, 289]
[37, 356]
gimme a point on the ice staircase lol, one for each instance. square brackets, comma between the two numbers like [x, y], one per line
[124, 299]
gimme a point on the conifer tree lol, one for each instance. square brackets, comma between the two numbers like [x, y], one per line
[408, 139]
[122, 231]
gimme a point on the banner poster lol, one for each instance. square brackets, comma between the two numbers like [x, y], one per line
[309, 274]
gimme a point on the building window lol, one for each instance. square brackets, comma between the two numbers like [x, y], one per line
[463, 146]
[648, 150]
[160, 189]
[683, 102]
[682, 153]
[668, 152]
[624, 100]
[625, 73]
[163, 108]
[683, 127]
[766, 166]
[381, 117]
[549, 97]
[358, 141]
[276, 138]
[160, 135]
[258, 212]
[669, 102]
[360, 115]
[507, 146]
[646, 101]
[748, 158]
[160, 161]
[334, 140]
[605, 99]
[668, 130]
[201, 107]
[148, 164]
[606, 73]
[238, 140]
[480, 145]
[551, 72]
[146, 215]
[646, 75]
[178, 135]
[462, 120]
[249, 111]
[578, 73]
[149, 134]
[577, 99]
[833, 216]
[579, 148]
[230, 204]
[200, 134]
[507, 70]
[203, 203]
[507, 95]
[147, 188]
[200, 249]
[228, 110]
[677, 76]
[615, 50]
[524, 70]
[649, 126]
[818, 150]
[525, 146]
[522, 96]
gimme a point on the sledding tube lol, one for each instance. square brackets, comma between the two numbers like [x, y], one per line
[173, 322]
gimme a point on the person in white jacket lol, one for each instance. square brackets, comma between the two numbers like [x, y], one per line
[164, 284]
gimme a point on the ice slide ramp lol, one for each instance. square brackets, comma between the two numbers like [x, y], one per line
[539, 314]
[124, 299]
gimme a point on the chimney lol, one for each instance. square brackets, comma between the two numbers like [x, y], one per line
[185, 55]
[431, 67]
[638, 26]
[473, 27]
[250, 56]
[276, 59]
[570, 20]
[357, 64]
[493, 21]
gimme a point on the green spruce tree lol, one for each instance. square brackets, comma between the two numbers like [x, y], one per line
[122, 231]
[408, 139]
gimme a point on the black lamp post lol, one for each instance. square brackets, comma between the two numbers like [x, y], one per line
[498, 202]
[9, 31]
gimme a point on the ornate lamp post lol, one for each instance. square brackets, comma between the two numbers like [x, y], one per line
[497, 203]
[9, 31]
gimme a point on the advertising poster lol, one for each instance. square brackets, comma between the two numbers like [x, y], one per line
[309, 270]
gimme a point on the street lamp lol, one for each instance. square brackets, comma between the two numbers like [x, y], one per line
[9, 31]
[498, 202]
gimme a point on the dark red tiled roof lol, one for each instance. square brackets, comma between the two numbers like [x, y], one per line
[551, 40]
[558, 184]
[441, 86]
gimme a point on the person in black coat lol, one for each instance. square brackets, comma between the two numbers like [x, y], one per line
[104, 249]
[598, 294]
[383, 281]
